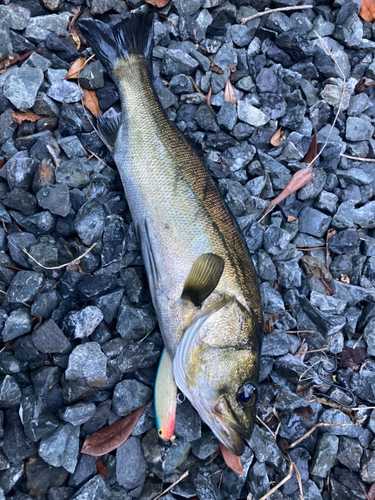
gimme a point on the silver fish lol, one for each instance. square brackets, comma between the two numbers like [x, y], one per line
[202, 280]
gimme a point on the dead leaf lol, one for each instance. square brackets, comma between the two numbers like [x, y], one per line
[299, 179]
[367, 10]
[345, 279]
[10, 61]
[75, 68]
[229, 93]
[208, 97]
[90, 101]
[214, 67]
[268, 325]
[2, 163]
[232, 461]
[28, 116]
[353, 358]
[360, 87]
[307, 413]
[290, 218]
[101, 469]
[312, 152]
[277, 137]
[111, 437]
[158, 3]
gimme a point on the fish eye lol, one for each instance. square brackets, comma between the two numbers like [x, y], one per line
[160, 432]
[247, 394]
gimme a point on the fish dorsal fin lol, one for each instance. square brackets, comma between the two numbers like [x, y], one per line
[108, 127]
[203, 278]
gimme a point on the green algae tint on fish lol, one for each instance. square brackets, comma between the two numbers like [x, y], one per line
[201, 276]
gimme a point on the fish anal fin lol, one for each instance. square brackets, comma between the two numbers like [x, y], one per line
[203, 278]
[108, 127]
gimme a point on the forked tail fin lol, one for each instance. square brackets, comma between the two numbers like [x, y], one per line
[132, 35]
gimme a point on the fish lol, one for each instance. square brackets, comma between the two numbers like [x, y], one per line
[201, 277]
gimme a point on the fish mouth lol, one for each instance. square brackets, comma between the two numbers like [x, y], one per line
[222, 422]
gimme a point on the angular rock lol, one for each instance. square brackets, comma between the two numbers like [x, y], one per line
[48, 338]
[60, 449]
[88, 363]
[21, 87]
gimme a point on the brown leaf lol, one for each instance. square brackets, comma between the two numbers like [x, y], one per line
[299, 179]
[353, 358]
[312, 152]
[277, 137]
[208, 97]
[101, 469]
[364, 492]
[9, 61]
[2, 163]
[367, 10]
[360, 87]
[28, 116]
[75, 68]
[111, 437]
[229, 93]
[345, 279]
[90, 101]
[306, 413]
[290, 218]
[232, 461]
[158, 3]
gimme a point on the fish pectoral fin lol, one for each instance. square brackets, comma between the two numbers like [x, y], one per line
[165, 397]
[108, 127]
[148, 256]
[203, 278]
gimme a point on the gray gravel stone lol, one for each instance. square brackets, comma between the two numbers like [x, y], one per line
[24, 287]
[251, 115]
[6, 47]
[62, 90]
[313, 222]
[130, 395]
[369, 336]
[48, 338]
[350, 453]
[90, 222]
[131, 465]
[83, 323]
[18, 323]
[367, 471]
[365, 216]
[358, 129]
[88, 363]
[95, 489]
[21, 87]
[78, 414]
[55, 199]
[325, 455]
[60, 448]
[10, 393]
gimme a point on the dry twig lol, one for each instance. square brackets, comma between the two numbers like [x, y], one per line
[74, 262]
[283, 481]
[269, 11]
[357, 158]
[317, 426]
[185, 474]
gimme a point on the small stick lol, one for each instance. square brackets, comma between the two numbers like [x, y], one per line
[266, 426]
[185, 474]
[74, 261]
[279, 9]
[357, 158]
[321, 424]
[275, 488]
[299, 481]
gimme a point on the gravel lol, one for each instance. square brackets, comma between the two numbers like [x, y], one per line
[79, 338]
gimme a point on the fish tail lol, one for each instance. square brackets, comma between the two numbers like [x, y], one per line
[112, 44]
